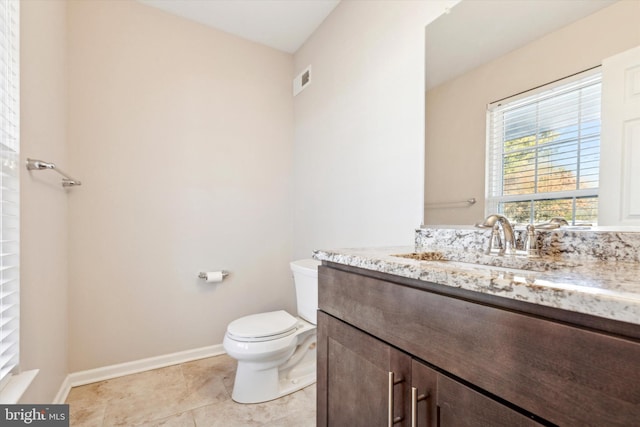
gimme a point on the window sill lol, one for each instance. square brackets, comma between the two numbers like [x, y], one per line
[17, 385]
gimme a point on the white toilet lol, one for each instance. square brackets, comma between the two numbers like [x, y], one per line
[276, 352]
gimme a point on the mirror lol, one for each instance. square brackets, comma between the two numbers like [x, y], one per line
[482, 51]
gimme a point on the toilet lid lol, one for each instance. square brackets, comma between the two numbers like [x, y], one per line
[274, 324]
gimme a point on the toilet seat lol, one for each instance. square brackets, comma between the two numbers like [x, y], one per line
[262, 327]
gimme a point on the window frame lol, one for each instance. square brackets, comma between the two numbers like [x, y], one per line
[494, 175]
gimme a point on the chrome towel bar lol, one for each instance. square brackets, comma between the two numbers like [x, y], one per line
[460, 204]
[67, 181]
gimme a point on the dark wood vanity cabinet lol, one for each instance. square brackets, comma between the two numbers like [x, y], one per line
[357, 375]
[469, 363]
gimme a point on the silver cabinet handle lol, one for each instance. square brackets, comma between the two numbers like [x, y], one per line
[414, 405]
[392, 383]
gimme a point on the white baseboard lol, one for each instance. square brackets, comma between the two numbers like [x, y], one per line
[75, 379]
[65, 388]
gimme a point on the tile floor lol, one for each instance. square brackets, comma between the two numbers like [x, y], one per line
[191, 394]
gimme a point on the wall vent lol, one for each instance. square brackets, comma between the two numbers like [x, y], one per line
[302, 80]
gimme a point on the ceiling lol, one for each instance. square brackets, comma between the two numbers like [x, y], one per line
[474, 32]
[281, 24]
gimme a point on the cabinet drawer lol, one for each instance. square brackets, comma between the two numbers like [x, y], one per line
[567, 375]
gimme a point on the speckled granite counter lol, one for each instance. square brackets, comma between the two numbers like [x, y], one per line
[573, 276]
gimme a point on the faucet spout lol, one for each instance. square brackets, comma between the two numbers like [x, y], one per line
[501, 221]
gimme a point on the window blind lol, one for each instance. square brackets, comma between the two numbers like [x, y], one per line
[9, 187]
[543, 152]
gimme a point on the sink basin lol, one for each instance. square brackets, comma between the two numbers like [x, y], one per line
[518, 261]
[424, 256]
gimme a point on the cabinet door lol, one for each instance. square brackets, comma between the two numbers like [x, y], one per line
[460, 406]
[353, 377]
[423, 403]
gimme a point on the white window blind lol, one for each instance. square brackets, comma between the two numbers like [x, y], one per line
[9, 194]
[543, 152]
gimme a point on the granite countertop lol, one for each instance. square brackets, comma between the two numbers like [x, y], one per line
[605, 288]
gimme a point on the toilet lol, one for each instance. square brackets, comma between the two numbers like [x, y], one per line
[276, 352]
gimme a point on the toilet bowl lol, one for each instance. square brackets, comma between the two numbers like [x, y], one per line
[276, 352]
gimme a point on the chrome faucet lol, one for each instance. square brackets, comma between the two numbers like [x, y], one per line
[497, 222]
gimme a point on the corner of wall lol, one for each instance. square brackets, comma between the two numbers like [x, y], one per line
[43, 202]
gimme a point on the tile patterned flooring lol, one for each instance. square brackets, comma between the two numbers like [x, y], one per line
[193, 394]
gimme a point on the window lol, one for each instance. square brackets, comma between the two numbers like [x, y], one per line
[543, 152]
[9, 196]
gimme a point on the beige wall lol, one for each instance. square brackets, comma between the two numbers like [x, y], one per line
[456, 110]
[359, 126]
[43, 216]
[182, 137]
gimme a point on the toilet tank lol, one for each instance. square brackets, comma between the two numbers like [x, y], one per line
[305, 277]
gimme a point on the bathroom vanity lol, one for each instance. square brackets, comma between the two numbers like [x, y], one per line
[448, 343]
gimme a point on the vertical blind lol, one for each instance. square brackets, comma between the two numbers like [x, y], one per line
[543, 152]
[9, 195]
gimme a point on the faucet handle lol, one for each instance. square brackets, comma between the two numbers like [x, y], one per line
[530, 241]
[495, 241]
[496, 235]
[553, 223]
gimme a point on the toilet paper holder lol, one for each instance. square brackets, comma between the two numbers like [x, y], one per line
[203, 275]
